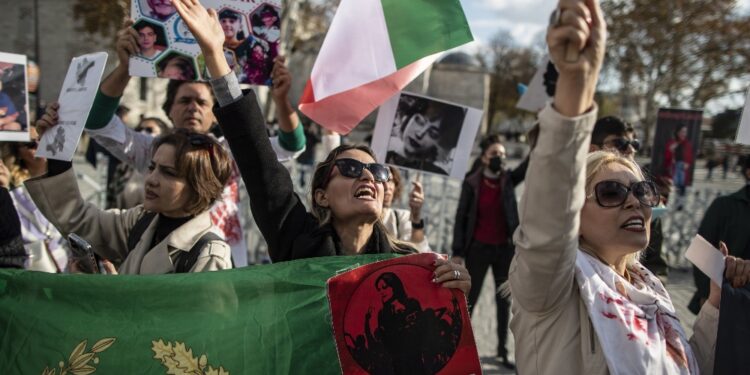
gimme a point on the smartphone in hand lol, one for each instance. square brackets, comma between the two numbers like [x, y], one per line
[83, 254]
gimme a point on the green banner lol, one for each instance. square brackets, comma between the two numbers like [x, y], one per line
[271, 319]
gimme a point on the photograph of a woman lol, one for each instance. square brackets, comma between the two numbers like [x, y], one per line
[425, 132]
[406, 338]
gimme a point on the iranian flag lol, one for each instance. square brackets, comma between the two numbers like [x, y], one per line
[373, 49]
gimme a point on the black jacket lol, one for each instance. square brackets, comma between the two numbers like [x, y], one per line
[733, 337]
[727, 219]
[468, 206]
[12, 252]
[290, 231]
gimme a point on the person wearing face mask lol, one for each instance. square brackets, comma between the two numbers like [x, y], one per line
[485, 220]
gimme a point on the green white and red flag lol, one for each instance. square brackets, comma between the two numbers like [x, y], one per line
[373, 49]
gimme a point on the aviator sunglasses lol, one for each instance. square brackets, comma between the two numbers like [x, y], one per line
[622, 144]
[614, 193]
[353, 169]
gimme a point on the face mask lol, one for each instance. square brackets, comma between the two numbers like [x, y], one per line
[496, 164]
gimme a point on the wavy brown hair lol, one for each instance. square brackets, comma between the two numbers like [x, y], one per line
[203, 162]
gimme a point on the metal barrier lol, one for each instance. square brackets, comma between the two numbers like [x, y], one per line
[441, 201]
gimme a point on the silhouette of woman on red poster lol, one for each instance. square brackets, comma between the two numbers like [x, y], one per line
[389, 318]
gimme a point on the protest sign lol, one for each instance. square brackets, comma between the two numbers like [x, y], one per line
[390, 318]
[674, 151]
[707, 258]
[258, 320]
[168, 49]
[14, 98]
[425, 134]
[743, 133]
[537, 95]
[76, 98]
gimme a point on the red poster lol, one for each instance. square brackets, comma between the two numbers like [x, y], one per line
[390, 318]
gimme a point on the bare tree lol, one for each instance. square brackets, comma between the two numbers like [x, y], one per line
[102, 17]
[509, 65]
[676, 53]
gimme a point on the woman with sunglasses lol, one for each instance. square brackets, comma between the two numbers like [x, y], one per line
[45, 245]
[347, 188]
[582, 302]
[171, 232]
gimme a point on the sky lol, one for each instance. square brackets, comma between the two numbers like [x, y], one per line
[523, 19]
[526, 20]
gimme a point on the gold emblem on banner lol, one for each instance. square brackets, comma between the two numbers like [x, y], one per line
[179, 359]
[81, 362]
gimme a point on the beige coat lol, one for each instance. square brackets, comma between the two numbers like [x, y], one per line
[59, 199]
[551, 326]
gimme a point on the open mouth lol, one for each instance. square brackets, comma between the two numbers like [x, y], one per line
[636, 224]
[365, 192]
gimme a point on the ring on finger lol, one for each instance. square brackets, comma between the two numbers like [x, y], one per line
[456, 275]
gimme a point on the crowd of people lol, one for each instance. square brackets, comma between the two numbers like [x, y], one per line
[578, 261]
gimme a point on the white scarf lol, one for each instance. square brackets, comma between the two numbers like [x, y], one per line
[635, 323]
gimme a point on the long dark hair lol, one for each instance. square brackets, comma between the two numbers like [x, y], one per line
[320, 180]
[391, 279]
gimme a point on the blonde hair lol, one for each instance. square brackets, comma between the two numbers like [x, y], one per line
[17, 168]
[595, 162]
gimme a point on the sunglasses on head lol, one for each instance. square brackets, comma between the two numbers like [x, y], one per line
[614, 193]
[622, 144]
[353, 169]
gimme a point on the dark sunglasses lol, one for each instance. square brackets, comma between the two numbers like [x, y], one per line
[622, 144]
[353, 169]
[614, 193]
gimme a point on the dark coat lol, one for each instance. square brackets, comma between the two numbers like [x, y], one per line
[733, 337]
[468, 206]
[728, 220]
[290, 231]
[12, 252]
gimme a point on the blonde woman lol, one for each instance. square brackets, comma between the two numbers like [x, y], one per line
[582, 303]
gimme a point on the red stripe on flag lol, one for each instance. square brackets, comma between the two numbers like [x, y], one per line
[343, 112]
[308, 96]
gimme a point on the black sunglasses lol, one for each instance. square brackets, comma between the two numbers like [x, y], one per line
[614, 193]
[622, 144]
[353, 169]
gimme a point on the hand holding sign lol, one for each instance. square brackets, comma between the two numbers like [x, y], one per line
[69, 117]
[718, 265]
